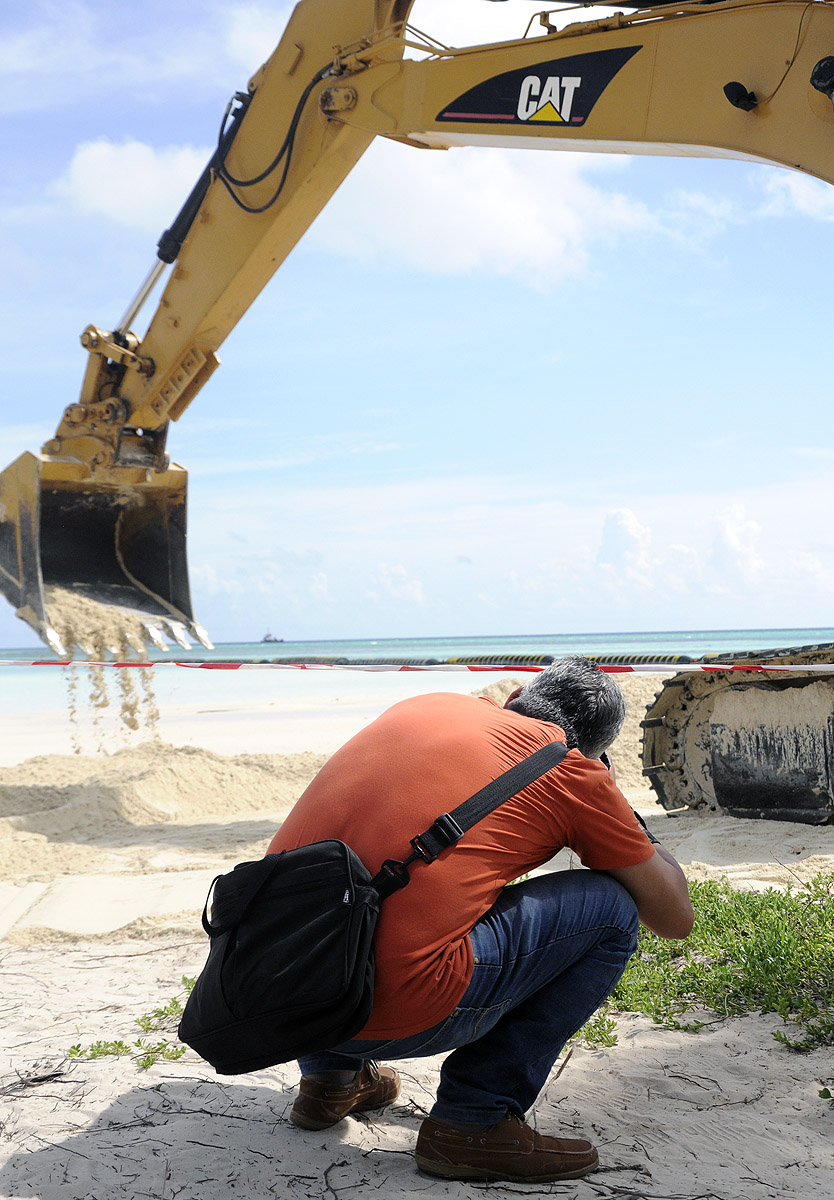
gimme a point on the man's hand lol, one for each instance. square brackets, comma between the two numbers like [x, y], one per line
[660, 891]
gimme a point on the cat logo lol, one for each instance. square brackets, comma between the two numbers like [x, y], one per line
[551, 96]
[550, 101]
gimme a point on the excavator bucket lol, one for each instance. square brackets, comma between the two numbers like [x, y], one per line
[119, 543]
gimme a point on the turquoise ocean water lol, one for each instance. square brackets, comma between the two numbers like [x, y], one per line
[690, 643]
[632, 646]
[46, 709]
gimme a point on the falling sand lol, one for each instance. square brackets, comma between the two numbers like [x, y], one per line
[102, 631]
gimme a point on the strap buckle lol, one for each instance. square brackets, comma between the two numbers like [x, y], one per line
[393, 874]
[438, 837]
[390, 877]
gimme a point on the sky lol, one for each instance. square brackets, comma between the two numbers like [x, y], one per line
[489, 392]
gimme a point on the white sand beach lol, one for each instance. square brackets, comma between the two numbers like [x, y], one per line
[105, 859]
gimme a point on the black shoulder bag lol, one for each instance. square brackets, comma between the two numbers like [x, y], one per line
[290, 969]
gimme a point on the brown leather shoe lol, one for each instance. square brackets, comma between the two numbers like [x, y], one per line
[320, 1105]
[508, 1150]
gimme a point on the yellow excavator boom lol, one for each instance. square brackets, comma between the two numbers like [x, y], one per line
[100, 510]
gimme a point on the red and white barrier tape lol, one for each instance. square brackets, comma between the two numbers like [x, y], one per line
[608, 668]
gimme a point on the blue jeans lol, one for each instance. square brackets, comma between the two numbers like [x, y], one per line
[547, 954]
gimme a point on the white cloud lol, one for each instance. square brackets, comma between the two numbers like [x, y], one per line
[390, 551]
[62, 52]
[507, 213]
[52, 43]
[392, 582]
[625, 549]
[338, 447]
[253, 31]
[532, 216]
[817, 573]
[693, 218]
[319, 587]
[681, 570]
[59, 52]
[206, 578]
[510, 213]
[270, 580]
[131, 183]
[787, 192]
[735, 551]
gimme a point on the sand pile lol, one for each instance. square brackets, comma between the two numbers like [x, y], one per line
[149, 783]
[66, 814]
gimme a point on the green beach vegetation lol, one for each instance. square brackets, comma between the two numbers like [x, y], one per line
[161, 1021]
[750, 952]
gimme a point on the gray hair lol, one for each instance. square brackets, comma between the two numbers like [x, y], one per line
[573, 694]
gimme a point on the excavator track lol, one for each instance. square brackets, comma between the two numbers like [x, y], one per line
[753, 745]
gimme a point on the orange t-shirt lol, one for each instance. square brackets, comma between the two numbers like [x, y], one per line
[419, 759]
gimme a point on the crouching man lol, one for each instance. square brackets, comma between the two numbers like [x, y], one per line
[498, 978]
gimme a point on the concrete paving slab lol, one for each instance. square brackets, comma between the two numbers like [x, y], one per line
[16, 899]
[96, 904]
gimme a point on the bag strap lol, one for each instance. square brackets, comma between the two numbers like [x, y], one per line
[261, 870]
[450, 827]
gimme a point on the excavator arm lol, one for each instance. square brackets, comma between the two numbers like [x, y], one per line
[100, 511]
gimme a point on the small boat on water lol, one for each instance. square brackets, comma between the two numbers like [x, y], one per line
[270, 637]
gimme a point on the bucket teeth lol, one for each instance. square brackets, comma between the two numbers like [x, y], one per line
[158, 633]
[202, 637]
[155, 633]
[178, 633]
[136, 644]
[53, 641]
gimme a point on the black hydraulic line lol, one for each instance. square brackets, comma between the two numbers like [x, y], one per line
[170, 244]
[319, 75]
[259, 208]
[230, 181]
